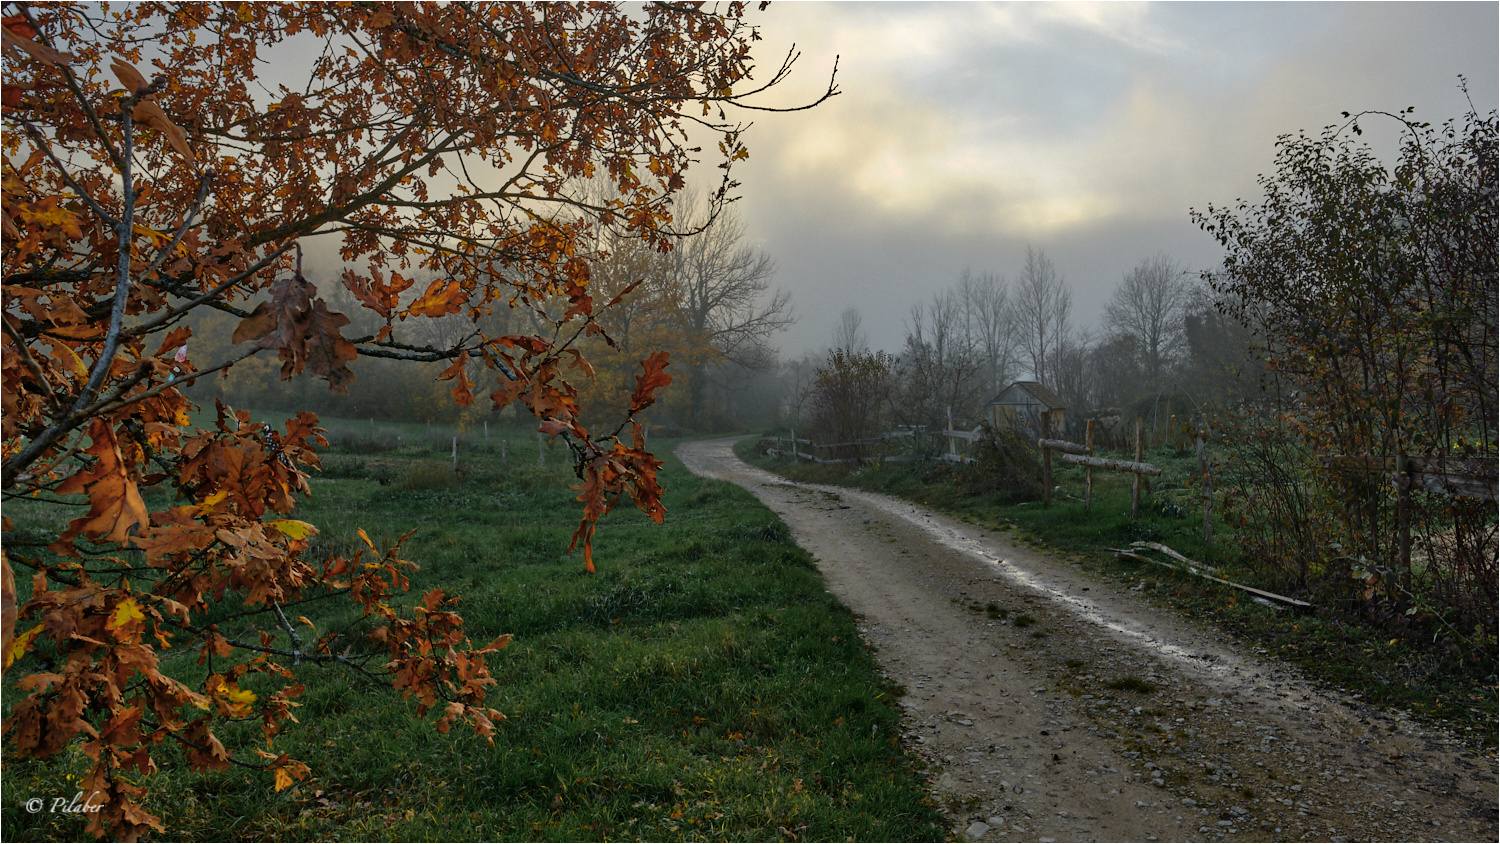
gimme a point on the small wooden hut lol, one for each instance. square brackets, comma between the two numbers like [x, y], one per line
[1024, 404]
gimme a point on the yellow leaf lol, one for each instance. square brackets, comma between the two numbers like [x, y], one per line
[212, 502]
[283, 779]
[64, 353]
[157, 238]
[366, 538]
[125, 612]
[21, 644]
[238, 699]
[293, 528]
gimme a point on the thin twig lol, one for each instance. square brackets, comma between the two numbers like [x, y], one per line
[36, 369]
[148, 327]
[287, 626]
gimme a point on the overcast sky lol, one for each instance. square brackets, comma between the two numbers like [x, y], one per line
[966, 130]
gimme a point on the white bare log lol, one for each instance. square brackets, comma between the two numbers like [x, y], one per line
[1190, 567]
[1064, 446]
[1107, 463]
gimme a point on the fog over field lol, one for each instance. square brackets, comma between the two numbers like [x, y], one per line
[966, 130]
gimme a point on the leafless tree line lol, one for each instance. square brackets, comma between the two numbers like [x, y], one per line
[1161, 334]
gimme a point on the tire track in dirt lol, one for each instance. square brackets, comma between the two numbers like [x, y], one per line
[1072, 710]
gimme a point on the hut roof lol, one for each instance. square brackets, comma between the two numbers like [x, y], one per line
[1029, 392]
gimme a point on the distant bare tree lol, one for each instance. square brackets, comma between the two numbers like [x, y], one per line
[848, 335]
[1115, 369]
[990, 320]
[1073, 377]
[1149, 306]
[940, 367]
[724, 297]
[799, 379]
[1043, 305]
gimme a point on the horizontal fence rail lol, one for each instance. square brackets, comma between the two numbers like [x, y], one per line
[876, 449]
[1465, 477]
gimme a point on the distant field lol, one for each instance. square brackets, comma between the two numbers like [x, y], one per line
[702, 685]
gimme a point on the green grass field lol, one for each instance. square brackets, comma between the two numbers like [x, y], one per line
[1332, 646]
[703, 685]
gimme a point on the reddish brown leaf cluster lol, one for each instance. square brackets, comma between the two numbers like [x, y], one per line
[439, 147]
[303, 331]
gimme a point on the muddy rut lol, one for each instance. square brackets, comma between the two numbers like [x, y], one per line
[1054, 707]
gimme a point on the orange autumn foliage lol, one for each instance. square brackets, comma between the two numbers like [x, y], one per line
[425, 140]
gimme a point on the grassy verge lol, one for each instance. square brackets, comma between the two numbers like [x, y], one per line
[703, 685]
[1334, 648]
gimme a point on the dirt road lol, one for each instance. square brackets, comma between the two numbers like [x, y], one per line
[1060, 708]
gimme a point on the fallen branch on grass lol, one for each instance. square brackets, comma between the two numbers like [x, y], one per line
[1191, 567]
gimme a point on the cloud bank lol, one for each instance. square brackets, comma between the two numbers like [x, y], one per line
[966, 130]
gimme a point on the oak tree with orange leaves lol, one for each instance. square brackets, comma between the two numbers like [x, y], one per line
[152, 168]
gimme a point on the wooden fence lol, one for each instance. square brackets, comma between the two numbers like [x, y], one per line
[854, 451]
[886, 448]
[1083, 455]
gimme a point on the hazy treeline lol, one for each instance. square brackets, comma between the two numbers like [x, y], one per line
[709, 302]
[1164, 347]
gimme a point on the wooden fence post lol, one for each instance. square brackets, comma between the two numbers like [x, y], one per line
[1046, 459]
[1403, 515]
[1088, 472]
[455, 455]
[541, 450]
[504, 451]
[1208, 491]
[1135, 489]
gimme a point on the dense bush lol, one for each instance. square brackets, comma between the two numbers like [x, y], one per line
[1008, 465]
[1373, 295]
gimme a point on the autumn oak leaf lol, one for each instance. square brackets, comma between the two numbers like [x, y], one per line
[293, 528]
[652, 378]
[439, 300]
[11, 36]
[126, 613]
[128, 75]
[115, 504]
[152, 115]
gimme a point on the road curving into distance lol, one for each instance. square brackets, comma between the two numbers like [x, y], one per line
[1055, 707]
